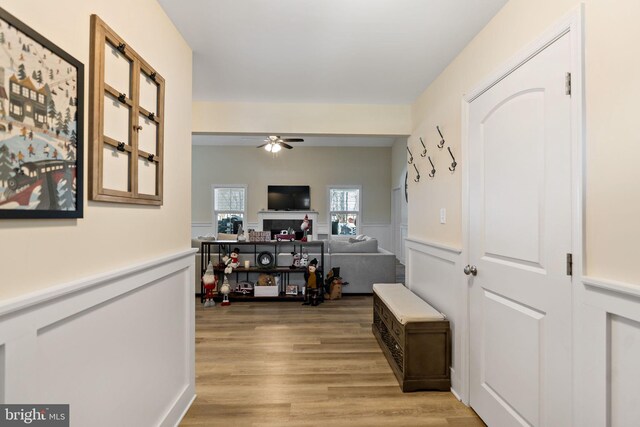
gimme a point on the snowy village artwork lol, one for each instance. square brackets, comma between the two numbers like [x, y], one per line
[40, 134]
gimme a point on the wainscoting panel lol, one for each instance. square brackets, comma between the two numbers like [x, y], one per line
[434, 272]
[118, 348]
[382, 232]
[201, 229]
[607, 350]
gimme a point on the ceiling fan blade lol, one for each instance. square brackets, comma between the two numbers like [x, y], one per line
[292, 139]
[260, 146]
[287, 146]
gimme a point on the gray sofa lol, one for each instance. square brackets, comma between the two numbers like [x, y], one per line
[362, 263]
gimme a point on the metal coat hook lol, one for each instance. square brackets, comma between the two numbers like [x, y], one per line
[433, 168]
[441, 144]
[152, 76]
[150, 157]
[120, 146]
[417, 178]
[452, 168]
[122, 98]
[151, 116]
[424, 151]
[410, 157]
[121, 47]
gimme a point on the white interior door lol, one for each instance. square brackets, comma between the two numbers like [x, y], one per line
[520, 234]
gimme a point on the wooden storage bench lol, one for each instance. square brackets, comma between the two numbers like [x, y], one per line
[414, 337]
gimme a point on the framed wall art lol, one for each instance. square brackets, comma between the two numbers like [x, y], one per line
[126, 122]
[41, 125]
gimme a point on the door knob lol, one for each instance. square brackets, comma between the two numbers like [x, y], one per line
[470, 269]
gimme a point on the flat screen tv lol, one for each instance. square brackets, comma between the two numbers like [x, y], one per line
[288, 198]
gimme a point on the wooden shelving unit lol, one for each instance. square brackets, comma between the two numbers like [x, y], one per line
[275, 247]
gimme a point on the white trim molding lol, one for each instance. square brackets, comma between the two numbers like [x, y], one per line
[614, 286]
[124, 339]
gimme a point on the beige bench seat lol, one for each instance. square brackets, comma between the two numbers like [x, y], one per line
[404, 304]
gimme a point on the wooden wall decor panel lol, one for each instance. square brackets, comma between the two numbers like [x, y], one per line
[108, 53]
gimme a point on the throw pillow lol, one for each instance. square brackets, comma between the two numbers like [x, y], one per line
[227, 236]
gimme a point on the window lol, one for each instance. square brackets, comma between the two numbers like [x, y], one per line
[15, 88]
[229, 206]
[344, 210]
[16, 109]
[25, 92]
[41, 98]
[33, 95]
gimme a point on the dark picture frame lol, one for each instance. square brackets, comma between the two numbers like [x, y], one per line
[41, 125]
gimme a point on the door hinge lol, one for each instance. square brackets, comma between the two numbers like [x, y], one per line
[569, 265]
[567, 84]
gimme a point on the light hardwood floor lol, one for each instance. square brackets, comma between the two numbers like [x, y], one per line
[284, 364]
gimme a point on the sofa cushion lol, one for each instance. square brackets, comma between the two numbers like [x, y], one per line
[342, 246]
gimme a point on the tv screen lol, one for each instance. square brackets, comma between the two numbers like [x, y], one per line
[288, 197]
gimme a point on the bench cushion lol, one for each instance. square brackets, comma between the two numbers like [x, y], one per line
[404, 304]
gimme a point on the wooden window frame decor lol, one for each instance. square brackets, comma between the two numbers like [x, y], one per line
[101, 37]
[41, 125]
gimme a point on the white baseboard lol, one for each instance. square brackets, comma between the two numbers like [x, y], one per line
[118, 348]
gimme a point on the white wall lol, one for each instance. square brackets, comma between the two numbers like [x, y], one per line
[276, 119]
[98, 312]
[37, 254]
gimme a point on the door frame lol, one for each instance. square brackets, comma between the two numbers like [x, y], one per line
[573, 24]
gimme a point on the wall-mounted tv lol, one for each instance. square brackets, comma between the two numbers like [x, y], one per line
[288, 198]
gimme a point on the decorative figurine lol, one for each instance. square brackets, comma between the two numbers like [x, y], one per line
[313, 294]
[231, 261]
[210, 282]
[225, 289]
[305, 228]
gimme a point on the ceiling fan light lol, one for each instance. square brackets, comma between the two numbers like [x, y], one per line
[276, 148]
[268, 147]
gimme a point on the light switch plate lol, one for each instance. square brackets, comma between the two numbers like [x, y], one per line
[443, 215]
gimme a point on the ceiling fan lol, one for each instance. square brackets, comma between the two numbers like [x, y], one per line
[275, 143]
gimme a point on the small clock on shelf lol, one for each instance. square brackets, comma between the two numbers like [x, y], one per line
[265, 260]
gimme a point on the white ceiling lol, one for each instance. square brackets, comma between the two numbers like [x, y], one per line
[324, 51]
[309, 141]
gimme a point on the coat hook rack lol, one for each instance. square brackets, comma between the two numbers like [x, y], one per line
[433, 168]
[120, 146]
[151, 116]
[424, 147]
[452, 168]
[410, 157]
[122, 98]
[417, 178]
[150, 157]
[121, 47]
[441, 144]
[152, 76]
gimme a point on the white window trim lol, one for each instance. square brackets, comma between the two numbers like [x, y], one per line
[214, 216]
[329, 211]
